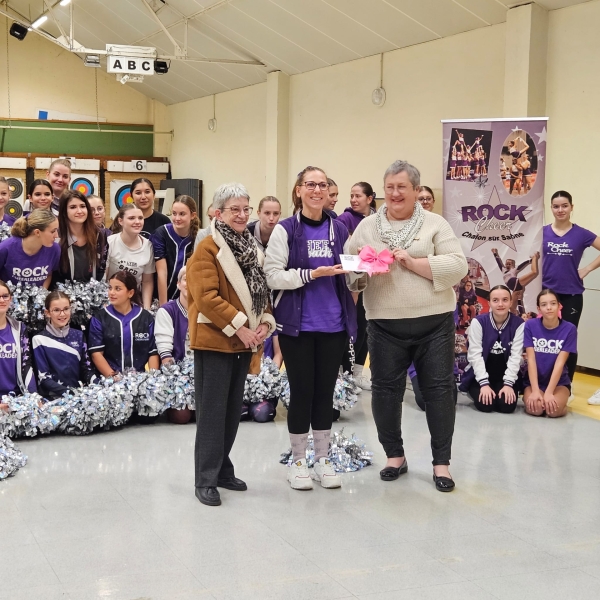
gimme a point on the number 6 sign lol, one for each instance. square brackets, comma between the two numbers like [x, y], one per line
[139, 165]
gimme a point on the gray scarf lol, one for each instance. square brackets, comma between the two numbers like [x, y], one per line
[405, 236]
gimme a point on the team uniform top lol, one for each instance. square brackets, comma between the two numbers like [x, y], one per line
[10, 221]
[548, 344]
[16, 370]
[171, 331]
[126, 340]
[153, 222]
[16, 266]
[561, 256]
[61, 360]
[175, 250]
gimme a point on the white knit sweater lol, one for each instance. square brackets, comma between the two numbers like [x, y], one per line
[402, 294]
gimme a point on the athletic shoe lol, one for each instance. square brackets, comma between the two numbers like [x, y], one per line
[298, 476]
[363, 383]
[595, 399]
[324, 472]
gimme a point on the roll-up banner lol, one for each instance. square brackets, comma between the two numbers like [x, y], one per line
[494, 200]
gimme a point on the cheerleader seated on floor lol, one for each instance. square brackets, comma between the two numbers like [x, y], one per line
[60, 352]
[548, 342]
[121, 334]
[16, 371]
[173, 338]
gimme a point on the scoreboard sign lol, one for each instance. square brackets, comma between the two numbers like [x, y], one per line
[131, 65]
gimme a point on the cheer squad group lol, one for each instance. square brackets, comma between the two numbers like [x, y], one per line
[239, 290]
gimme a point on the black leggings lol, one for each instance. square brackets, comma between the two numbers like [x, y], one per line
[572, 308]
[498, 404]
[361, 348]
[419, 396]
[312, 361]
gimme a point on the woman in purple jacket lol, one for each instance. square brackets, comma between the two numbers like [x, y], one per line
[315, 315]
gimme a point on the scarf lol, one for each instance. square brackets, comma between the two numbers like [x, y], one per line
[244, 250]
[405, 236]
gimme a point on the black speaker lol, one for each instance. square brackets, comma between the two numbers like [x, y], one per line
[18, 31]
[189, 187]
[161, 67]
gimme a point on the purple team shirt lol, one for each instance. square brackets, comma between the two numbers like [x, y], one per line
[8, 361]
[321, 308]
[10, 221]
[561, 256]
[17, 266]
[548, 344]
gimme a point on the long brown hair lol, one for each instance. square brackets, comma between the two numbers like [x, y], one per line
[296, 201]
[90, 231]
[191, 204]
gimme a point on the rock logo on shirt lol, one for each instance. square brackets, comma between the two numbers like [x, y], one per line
[497, 348]
[29, 274]
[8, 350]
[560, 249]
[548, 346]
[319, 249]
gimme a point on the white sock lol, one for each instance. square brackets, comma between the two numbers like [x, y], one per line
[358, 369]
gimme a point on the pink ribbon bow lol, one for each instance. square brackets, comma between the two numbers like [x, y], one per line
[372, 262]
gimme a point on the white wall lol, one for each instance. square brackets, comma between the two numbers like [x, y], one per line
[234, 152]
[42, 75]
[573, 101]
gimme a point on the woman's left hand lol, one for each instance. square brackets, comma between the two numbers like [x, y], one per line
[583, 273]
[262, 331]
[509, 394]
[403, 257]
[550, 402]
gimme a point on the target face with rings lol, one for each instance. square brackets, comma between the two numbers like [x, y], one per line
[123, 196]
[13, 209]
[15, 187]
[83, 185]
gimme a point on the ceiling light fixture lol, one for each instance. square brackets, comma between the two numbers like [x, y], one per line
[64, 2]
[378, 95]
[92, 60]
[40, 21]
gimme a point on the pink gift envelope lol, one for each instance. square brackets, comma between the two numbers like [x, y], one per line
[373, 262]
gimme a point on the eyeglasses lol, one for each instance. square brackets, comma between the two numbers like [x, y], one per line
[426, 200]
[311, 186]
[5, 297]
[60, 311]
[236, 210]
[402, 189]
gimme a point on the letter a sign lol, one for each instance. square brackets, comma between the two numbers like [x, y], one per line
[130, 64]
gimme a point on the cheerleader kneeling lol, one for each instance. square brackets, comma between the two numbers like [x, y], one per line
[495, 348]
[548, 341]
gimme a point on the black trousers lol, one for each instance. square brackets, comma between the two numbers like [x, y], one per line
[312, 361]
[499, 403]
[361, 348]
[429, 343]
[419, 396]
[219, 380]
[572, 308]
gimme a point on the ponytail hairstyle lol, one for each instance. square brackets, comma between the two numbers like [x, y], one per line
[191, 204]
[137, 182]
[55, 295]
[40, 218]
[296, 201]
[130, 282]
[65, 162]
[427, 188]
[116, 227]
[268, 199]
[367, 190]
[37, 182]
[90, 231]
[562, 194]
[501, 287]
[546, 292]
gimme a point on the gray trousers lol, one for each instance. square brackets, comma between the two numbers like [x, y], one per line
[219, 379]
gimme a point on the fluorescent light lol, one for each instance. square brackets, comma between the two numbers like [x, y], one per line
[39, 21]
[64, 2]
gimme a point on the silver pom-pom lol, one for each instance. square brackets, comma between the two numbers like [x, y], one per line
[11, 458]
[28, 304]
[5, 231]
[347, 454]
[345, 394]
[267, 385]
[154, 307]
[26, 416]
[86, 299]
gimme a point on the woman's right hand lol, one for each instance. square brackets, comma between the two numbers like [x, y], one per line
[249, 338]
[533, 398]
[486, 395]
[3, 407]
[327, 271]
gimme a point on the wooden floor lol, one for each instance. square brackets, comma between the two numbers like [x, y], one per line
[583, 387]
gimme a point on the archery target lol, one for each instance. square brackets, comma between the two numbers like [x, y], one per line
[14, 209]
[119, 195]
[16, 189]
[86, 184]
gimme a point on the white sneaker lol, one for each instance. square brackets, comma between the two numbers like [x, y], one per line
[595, 399]
[363, 383]
[324, 472]
[298, 476]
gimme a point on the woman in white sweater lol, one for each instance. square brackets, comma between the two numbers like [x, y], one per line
[410, 313]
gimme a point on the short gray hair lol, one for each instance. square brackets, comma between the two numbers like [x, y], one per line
[181, 274]
[401, 166]
[227, 191]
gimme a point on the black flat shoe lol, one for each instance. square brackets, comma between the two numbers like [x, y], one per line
[443, 484]
[392, 473]
[233, 483]
[209, 496]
